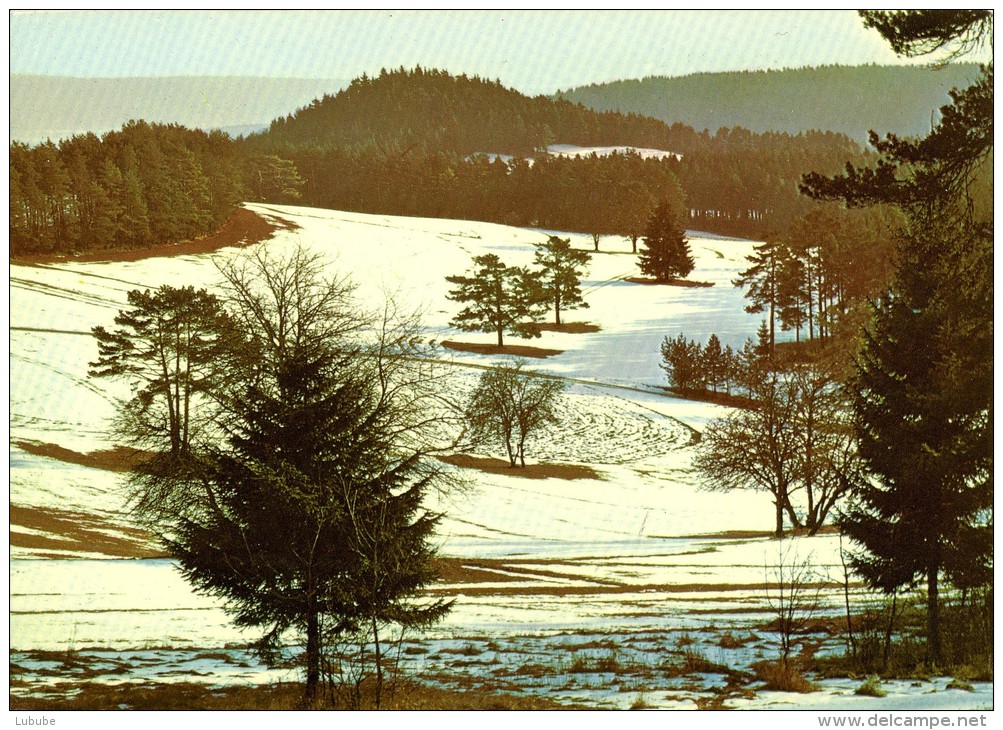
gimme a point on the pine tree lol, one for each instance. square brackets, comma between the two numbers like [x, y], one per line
[170, 348]
[500, 299]
[714, 363]
[681, 361]
[763, 280]
[562, 268]
[666, 252]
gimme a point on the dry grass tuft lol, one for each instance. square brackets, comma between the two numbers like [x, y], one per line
[730, 641]
[783, 676]
[871, 688]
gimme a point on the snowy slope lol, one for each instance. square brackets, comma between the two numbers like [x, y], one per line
[642, 547]
[54, 307]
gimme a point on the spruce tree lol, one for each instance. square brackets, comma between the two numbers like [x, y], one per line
[666, 252]
[303, 505]
[923, 393]
[923, 407]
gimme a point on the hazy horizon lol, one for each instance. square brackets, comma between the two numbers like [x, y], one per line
[535, 52]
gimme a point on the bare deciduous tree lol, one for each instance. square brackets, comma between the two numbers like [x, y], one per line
[509, 405]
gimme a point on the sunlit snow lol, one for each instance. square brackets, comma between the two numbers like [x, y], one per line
[645, 528]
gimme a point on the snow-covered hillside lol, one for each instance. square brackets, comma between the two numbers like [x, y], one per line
[572, 150]
[640, 550]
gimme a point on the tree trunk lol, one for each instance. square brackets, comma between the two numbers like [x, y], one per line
[312, 655]
[933, 615]
[779, 532]
[379, 664]
[501, 342]
[795, 522]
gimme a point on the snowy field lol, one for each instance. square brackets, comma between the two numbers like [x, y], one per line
[639, 564]
[571, 150]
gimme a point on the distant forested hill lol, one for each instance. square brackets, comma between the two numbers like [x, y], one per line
[405, 142]
[846, 99]
[426, 110]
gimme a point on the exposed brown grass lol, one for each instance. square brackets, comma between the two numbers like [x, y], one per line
[120, 458]
[730, 641]
[243, 228]
[457, 570]
[606, 664]
[517, 350]
[289, 696]
[709, 396]
[530, 471]
[670, 282]
[571, 328]
[78, 532]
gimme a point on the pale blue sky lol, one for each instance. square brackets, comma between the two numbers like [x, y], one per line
[535, 52]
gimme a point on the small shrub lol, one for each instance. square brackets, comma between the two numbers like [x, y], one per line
[729, 641]
[871, 688]
[783, 676]
[696, 663]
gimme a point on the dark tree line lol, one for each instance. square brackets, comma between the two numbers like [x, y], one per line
[427, 111]
[145, 184]
[407, 143]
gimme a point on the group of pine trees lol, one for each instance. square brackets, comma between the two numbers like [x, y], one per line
[906, 437]
[144, 184]
[514, 299]
[690, 366]
[816, 273]
[923, 390]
